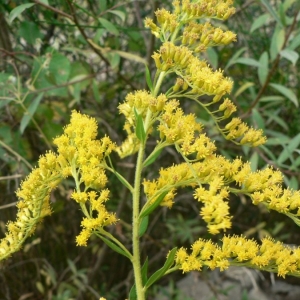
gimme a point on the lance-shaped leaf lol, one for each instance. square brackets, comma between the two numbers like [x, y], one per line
[139, 130]
[114, 247]
[162, 271]
[149, 207]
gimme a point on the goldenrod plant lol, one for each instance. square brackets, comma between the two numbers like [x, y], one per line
[185, 34]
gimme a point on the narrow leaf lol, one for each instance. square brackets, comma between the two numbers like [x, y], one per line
[139, 130]
[130, 56]
[259, 22]
[149, 207]
[234, 57]
[30, 112]
[109, 26]
[295, 42]
[152, 158]
[286, 92]
[144, 271]
[247, 61]
[18, 10]
[143, 225]
[271, 11]
[244, 87]
[132, 293]
[114, 247]
[263, 68]
[289, 149]
[161, 272]
[118, 13]
[276, 42]
[254, 161]
[148, 78]
[290, 55]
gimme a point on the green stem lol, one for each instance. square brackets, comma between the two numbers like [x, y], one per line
[158, 83]
[136, 260]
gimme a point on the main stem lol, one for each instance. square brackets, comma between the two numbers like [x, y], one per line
[136, 260]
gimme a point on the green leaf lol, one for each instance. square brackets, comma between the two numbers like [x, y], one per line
[287, 4]
[271, 98]
[109, 26]
[72, 266]
[276, 42]
[152, 158]
[263, 69]
[295, 42]
[30, 112]
[247, 61]
[143, 225]
[149, 207]
[96, 93]
[114, 247]
[102, 5]
[212, 57]
[30, 32]
[59, 68]
[234, 57]
[290, 55]
[118, 13]
[254, 161]
[258, 120]
[18, 10]
[273, 116]
[271, 11]
[144, 271]
[130, 56]
[139, 130]
[259, 22]
[114, 59]
[132, 293]
[148, 78]
[289, 149]
[242, 88]
[286, 92]
[161, 272]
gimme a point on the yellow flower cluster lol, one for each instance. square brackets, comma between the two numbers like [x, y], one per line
[33, 205]
[190, 9]
[186, 11]
[175, 127]
[215, 211]
[200, 36]
[236, 129]
[216, 177]
[139, 103]
[169, 180]
[199, 76]
[236, 250]
[82, 153]
[79, 155]
[196, 77]
[92, 222]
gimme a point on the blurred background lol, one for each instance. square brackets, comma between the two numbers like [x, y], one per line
[60, 55]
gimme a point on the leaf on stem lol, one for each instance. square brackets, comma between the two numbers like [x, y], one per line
[139, 130]
[148, 79]
[143, 225]
[114, 246]
[161, 272]
[30, 112]
[149, 207]
[18, 10]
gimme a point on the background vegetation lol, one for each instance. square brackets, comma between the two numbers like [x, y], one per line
[56, 56]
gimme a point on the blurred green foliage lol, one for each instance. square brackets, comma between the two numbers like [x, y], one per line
[56, 56]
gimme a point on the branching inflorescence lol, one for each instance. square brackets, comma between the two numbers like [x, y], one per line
[80, 155]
